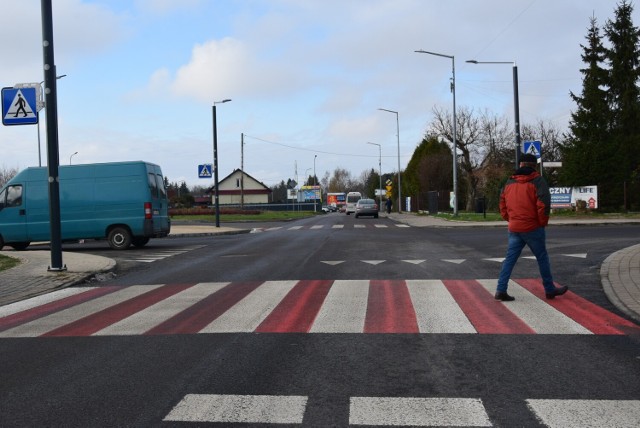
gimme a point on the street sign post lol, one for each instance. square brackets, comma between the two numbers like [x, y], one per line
[19, 106]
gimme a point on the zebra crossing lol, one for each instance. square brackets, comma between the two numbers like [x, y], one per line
[402, 411]
[333, 227]
[148, 256]
[308, 306]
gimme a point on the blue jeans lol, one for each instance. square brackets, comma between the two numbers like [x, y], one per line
[535, 240]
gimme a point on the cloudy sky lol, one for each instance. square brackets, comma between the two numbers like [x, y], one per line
[306, 77]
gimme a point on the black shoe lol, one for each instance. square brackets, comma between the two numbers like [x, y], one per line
[557, 292]
[504, 297]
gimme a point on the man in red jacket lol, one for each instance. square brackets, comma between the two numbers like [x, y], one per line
[525, 202]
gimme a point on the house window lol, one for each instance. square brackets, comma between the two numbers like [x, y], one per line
[237, 182]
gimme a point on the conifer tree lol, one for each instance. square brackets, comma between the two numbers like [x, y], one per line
[623, 58]
[584, 155]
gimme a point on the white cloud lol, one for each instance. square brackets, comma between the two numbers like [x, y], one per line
[229, 66]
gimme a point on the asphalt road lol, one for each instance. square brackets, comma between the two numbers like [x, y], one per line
[260, 377]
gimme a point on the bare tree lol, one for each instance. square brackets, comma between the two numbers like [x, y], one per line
[481, 140]
[7, 174]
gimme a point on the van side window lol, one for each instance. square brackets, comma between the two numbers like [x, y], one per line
[14, 196]
[153, 186]
[160, 185]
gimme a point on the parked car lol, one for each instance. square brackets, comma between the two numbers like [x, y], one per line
[366, 207]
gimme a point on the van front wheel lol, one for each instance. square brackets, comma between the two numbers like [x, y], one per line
[119, 238]
[20, 246]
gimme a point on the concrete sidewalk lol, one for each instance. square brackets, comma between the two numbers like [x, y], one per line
[620, 272]
[31, 277]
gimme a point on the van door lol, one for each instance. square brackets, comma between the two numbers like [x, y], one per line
[13, 216]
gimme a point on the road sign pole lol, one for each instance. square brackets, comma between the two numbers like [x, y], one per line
[51, 107]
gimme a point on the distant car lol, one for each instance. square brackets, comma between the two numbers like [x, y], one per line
[366, 207]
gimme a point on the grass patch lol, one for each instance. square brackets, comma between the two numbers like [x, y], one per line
[8, 262]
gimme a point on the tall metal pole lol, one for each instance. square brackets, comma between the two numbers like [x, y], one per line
[398, 136]
[516, 110]
[315, 184]
[516, 103]
[215, 160]
[455, 127]
[242, 171]
[455, 140]
[53, 163]
[379, 172]
[215, 167]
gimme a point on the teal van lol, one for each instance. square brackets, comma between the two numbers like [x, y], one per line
[123, 202]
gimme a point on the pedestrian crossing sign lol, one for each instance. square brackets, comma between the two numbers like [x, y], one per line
[19, 106]
[533, 148]
[204, 171]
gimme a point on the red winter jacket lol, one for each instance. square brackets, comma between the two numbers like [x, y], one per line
[525, 201]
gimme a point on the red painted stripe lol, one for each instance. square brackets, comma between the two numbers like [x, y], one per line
[298, 310]
[389, 308]
[487, 315]
[32, 314]
[97, 321]
[205, 311]
[593, 317]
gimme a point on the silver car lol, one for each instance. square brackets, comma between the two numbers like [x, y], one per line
[366, 207]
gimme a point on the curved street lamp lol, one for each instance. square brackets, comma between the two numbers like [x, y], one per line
[398, 135]
[455, 149]
[215, 160]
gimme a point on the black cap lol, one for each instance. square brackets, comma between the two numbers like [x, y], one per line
[528, 158]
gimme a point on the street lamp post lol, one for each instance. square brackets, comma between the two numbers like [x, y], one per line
[379, 172]
[40, 107]
[315, 183]
[455, 143]
[398, 135]
[215, 160]
[516, 102]
[72, 157]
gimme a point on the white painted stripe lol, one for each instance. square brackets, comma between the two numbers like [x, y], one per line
[144, 260]
[436, 309]
[381, 226]
[359, 226]
[344, 309]
[415, 262]
[317, 226]
[274, 228]
[265, 409]
[332, 262]
[402, 225]
[373, 262]
[456, 261]
[497, 259]
[419, 412]
[587, 413]
[247, 314]
[34, 302]
[337, 226]
[537, 314]
[150, 317]
[295, 228]
[580, 256]
[74, 313]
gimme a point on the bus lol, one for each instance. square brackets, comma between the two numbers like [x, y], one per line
[336, 200]
[352, 199]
